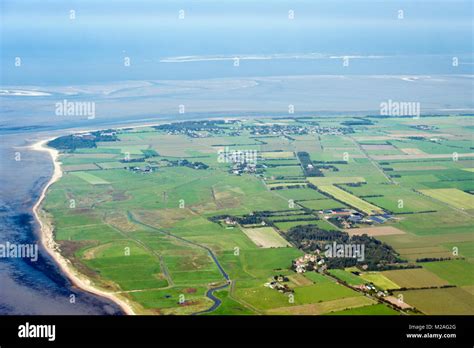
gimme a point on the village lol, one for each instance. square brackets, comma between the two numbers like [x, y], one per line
[203, 129]
[350, 218]
[316, 263]
[275, 129]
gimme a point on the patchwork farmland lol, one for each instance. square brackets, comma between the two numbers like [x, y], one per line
[162, 216]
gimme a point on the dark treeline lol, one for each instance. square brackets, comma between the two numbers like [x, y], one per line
[83, 141]
[258, 217]
[105, 135]
[70, 142]
[432, 259]
[310, 170]
[377, 255]
[311, 218]
[132, 160]
[358, 122]
[287, 187]
[189, 164]
[313, 168]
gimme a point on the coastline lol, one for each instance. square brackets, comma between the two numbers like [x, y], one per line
[48, 242]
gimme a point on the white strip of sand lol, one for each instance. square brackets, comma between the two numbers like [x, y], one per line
[47, 237]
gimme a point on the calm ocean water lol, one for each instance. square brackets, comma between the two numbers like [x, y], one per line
[32, 287]
[139, 60]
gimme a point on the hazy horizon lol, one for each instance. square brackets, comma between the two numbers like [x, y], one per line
[82, 42]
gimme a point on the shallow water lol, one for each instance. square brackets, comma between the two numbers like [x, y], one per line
[28, 287]
[38, 288]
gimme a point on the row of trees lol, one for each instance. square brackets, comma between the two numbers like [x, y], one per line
[377, 255]
[72, 142]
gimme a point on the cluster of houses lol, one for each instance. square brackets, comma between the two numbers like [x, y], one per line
[285, 130]
[378, 219]
[94, 135]
[370, 288]
[109, 133]
[193, 129]
[199, 129]
[332, 130]
[204, 133]
[90, 139]
[243, 168]
[228, 221]
[309, 262]
[142, 170]
[277, 284]
[231, 222]
[348, 218]
[189, 164]
[344, 218]
[425, 127]
[85, 136]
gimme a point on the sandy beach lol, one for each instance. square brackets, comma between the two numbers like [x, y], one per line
[47, 237]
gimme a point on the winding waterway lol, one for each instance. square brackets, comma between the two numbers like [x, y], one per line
[210, 292]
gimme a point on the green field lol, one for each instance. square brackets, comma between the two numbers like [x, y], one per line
[265, 237]
[325, 291]
[379, 280]
[277, 154]
[285, 226]
[336, 180]
[417, 277]
[322, 204]
[90, 178]
[162, 238]
[347, 277]
[454, 197]
[301, 194]
[324, 307]
[377, 309]
[464, 249]
[440, 301]
[456, 272]
[350, 199]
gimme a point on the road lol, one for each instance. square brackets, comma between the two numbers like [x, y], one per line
[372, 161]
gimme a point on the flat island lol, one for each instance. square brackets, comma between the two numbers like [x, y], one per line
[254, 216]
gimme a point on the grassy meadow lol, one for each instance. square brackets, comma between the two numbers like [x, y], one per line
[136, 219]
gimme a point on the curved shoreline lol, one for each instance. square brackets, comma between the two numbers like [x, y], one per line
[48, 242]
